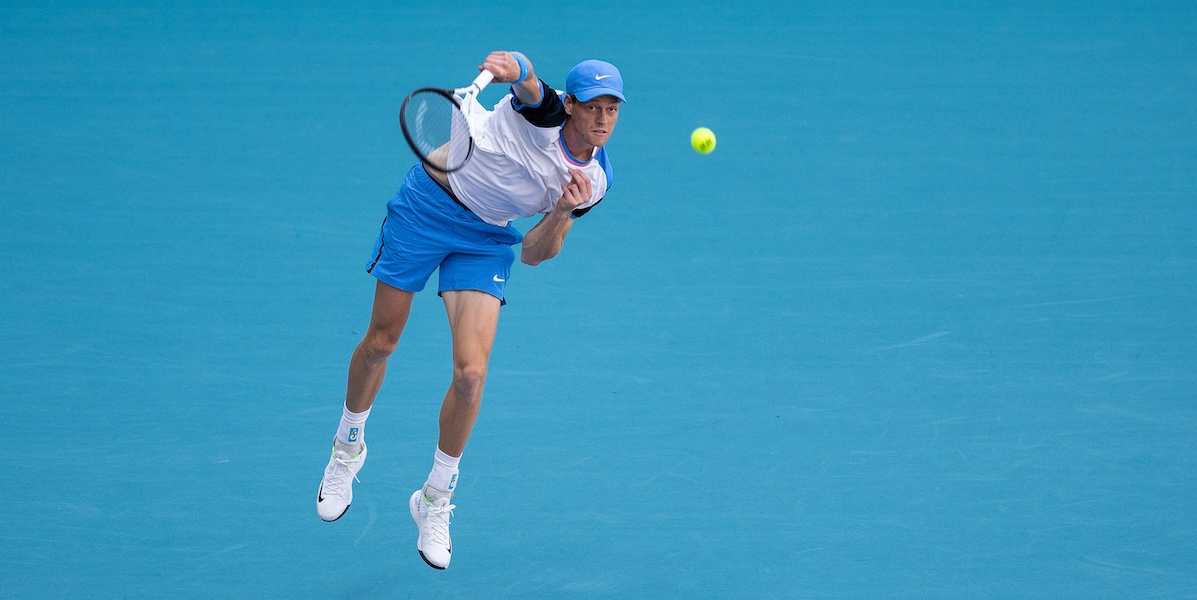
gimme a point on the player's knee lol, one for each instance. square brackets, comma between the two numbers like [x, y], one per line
[379, 344]
[469, 380]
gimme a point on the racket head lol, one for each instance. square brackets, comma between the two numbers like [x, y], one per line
[436, 129]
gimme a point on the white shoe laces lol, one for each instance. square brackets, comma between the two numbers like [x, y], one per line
[438, 521]
[337, 479]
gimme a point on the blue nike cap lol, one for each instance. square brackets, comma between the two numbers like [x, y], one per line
[594, 78]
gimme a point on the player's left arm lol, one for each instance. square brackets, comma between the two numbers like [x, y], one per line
[544, 240]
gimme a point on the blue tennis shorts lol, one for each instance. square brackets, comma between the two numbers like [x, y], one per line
[425, 229]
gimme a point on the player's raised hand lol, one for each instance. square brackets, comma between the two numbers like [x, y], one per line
[504, 65]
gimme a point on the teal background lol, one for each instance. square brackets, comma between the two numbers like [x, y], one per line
[922, 326]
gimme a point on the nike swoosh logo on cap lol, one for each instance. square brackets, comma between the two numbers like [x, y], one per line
[602, 77]
[499, 279]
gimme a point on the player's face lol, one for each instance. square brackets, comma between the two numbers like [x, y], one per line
[594, 120]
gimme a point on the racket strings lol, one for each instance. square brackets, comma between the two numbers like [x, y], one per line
[437, 130]
[460, 141]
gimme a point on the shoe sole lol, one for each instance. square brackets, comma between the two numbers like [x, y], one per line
[411, 505]
[336, 517]
[429, 563]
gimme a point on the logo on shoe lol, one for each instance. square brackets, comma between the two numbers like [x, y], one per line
[353, 433]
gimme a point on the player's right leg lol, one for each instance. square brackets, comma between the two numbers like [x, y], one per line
[368, 365]
[413, 241]
[367, 369]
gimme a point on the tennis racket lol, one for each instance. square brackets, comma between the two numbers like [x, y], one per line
[435, 127]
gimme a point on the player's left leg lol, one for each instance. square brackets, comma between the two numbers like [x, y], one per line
[473, 319]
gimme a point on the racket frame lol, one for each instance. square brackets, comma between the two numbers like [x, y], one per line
[456, 96]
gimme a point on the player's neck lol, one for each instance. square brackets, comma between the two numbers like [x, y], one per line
[576, 146]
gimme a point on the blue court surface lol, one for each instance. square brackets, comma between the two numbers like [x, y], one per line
[924, 325]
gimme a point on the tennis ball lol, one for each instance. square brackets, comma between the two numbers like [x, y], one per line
[703, 140]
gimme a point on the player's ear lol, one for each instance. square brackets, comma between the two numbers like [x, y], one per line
[569, 105]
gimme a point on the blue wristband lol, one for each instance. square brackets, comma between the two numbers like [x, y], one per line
[523, 63]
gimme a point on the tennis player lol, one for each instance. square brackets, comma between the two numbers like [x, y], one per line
[538, 151]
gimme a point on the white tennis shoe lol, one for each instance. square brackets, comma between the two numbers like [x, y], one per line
[431, 510]
[336, 489]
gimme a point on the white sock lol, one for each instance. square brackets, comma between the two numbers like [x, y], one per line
[444, 472]
[353, 427]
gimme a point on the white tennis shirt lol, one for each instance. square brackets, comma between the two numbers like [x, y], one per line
[518, 168]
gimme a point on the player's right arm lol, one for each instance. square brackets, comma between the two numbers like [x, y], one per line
[506, 68]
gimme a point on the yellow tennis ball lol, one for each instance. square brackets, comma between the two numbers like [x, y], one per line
[703, 140]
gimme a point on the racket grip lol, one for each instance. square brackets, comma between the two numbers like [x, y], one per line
[482, 80]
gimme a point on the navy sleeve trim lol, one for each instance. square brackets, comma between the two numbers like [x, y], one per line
[549, 113]
[581, 211]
